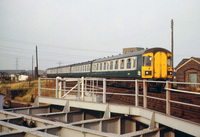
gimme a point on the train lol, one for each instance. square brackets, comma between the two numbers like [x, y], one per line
[153, 63]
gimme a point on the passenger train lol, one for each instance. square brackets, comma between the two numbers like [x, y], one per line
[154, 63]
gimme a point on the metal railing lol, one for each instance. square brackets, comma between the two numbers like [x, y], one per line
[98, 86]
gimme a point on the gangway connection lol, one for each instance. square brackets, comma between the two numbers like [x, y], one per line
[63, 109]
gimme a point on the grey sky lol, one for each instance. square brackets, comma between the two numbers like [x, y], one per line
[72, 31]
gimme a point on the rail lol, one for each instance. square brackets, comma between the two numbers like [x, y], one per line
[98, 86]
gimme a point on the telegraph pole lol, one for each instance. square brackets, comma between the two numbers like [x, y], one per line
[36, 68]
[32, 65]
[172, 48]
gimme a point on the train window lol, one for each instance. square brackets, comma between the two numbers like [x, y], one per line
[104, 65]
[169, 61]
[107, 65]
[128, 64]
[134, 63]
[116, 65]
[97, 67]
[147, 61]
[111, 65]
[122, 64]
[100, 66]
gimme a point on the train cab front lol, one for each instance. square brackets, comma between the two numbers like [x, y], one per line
[157, 64]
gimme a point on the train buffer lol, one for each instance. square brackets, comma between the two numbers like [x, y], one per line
[82, 107]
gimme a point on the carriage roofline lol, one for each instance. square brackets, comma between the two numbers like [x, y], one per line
[131, 54]
[154, 50]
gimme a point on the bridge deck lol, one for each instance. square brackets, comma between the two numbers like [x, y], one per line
[80, 118]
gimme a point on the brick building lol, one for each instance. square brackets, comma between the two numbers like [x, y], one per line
[188, 70]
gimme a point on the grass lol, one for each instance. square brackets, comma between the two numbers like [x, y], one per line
[29, 88]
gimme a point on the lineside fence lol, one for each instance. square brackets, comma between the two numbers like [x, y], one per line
[98, 89]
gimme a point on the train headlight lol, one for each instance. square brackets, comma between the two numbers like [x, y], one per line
[169, 73]
[148, 72]
[139, 73]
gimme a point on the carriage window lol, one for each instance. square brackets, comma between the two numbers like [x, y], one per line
[169, 61]
[128, 64]
[147, 61]
[107, 65]
[116, 65]
[122, 64]
[100, 66]
[133, 63]
[97, 66]
[111, 65]
[104, 65]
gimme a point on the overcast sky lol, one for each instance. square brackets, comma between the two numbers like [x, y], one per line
[72, 31]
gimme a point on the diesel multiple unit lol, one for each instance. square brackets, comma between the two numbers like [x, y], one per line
[154, 63]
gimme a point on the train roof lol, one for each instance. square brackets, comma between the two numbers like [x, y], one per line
[131, 54]
[154, 50]
[82, 63]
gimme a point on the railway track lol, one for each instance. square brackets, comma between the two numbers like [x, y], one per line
[179, 110]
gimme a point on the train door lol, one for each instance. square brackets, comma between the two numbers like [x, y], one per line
[147, 65]
[160, 65]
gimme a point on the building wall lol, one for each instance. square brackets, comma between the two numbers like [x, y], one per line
[190, 67]
[128, 50]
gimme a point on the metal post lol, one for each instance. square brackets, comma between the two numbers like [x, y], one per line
[136, 93]
[64, 87]
[85, 85]
[78, 89]
[82, 87]
[168, 97]
[60, 88]
[104, 90]
[39, 88]
[93, 88]
[56, 87]
[144, 94]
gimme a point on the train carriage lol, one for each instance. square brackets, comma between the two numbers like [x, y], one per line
[154, 63]
[122, 66]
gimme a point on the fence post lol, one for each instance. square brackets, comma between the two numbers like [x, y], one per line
[144, 94]
[78, 89]
[64, 86]
[39, 89]
[85, 85]
[60, 88]
[56, 87]
[104, 90]
[82, 88]
[168, 97]
[136, 93]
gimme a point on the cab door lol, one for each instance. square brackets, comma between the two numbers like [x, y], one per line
[147, 65]
[160, 65]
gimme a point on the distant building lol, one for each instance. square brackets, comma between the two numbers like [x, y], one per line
[128, 50]
[188, 70]
[13, 77]
[22, 77]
